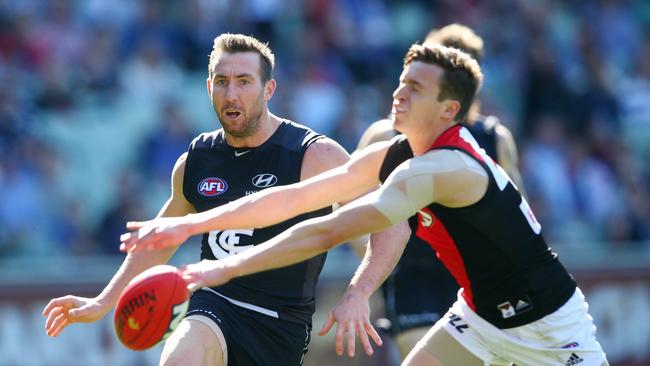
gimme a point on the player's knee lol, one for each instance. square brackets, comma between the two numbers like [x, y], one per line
[191, 344]
[179, 355]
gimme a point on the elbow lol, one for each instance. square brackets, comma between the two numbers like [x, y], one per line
[327, 237]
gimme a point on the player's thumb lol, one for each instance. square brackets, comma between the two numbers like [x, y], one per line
[78, 313]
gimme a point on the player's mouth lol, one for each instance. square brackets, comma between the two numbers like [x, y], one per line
[397, 109]
[232, 114]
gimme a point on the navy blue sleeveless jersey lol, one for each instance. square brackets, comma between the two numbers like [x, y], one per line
[215, 174]
[493, 248]
[483, 128]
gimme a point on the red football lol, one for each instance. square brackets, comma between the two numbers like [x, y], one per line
[150, 307]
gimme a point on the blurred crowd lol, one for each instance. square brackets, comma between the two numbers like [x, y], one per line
[99, 98]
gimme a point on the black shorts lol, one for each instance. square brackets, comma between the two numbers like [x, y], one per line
[420, 290]
[253, 338]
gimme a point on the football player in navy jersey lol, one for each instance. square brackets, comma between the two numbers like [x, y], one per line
[262, 319]
[413, 303]
[517, 303]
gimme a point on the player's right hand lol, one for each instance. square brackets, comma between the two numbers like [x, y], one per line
[352, 315]
[63, 311]
[158, 233]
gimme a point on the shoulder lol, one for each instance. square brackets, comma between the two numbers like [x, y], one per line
[294, 136]
[178, 173]
[205, 140]
[502, 132]
[322, 155]
[505, 142]
[179, 166]
[381, 130]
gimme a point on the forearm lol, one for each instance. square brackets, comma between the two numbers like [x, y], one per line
[359, 245]
[306, 240]
[134, 264]
[278, 205]
[301, 242]
[382, 254]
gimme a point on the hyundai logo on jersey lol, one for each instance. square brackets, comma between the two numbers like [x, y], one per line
[264, 180]
[212, 186]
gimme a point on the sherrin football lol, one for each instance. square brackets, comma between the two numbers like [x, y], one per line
[150, 307]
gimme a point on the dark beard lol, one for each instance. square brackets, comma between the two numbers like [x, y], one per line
[251, 126]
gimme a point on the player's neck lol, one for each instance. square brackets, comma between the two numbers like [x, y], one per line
[421, 141]
[268, 124]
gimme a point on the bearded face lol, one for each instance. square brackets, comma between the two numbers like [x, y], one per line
[237, 93]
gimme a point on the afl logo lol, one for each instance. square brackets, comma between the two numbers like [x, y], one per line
[264, 180]
[212, 186]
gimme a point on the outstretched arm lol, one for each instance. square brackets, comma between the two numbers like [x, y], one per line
[444, 176]
[381, 130]
[63, 311]
[439, 176]
[278, 204]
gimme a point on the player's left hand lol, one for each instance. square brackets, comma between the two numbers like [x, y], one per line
[206, 273]
[353, 316]
[154, 234]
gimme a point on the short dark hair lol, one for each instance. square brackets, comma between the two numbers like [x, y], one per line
[462, 75]
[458, 36]
[233, 43]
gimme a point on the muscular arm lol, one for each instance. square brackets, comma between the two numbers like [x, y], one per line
[63, 311]
[135, 263]
[381, 130]
[278, 204]
[442, 176]
[321, 188]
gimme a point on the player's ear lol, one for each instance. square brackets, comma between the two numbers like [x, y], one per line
[269, 89]
[451, 108]
[208, 86]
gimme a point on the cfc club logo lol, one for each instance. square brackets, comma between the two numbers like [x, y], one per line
[264, 180]
[212, 186]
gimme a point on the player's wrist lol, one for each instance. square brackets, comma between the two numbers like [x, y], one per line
[359, 291]
[105, 303]
[191, 225]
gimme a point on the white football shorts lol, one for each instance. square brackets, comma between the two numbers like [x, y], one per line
[565, 337]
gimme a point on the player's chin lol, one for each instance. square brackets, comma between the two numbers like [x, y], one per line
[235, 129]
[398, 124]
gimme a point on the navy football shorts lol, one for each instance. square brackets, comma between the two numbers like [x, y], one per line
[252, 338]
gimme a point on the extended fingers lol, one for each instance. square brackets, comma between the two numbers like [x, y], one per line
[373, 333]
[51, 317]
[60, 323]
[338, 341]
[56, 322]
[135, 225]
[351, 338]
[65, 301]
[134, 241]
[329, 322]
[363, 336]
[192, 280]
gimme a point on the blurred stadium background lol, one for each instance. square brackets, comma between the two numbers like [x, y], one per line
[99, 97]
